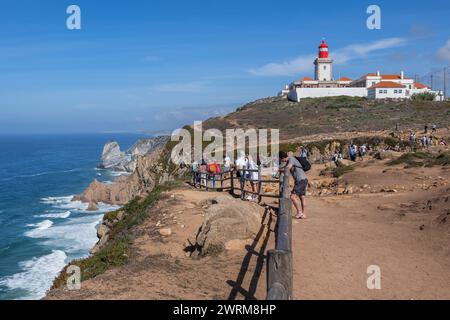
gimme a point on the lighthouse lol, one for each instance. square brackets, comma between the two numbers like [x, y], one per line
[323, 64]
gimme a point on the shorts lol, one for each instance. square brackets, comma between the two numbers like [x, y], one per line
[300, 187]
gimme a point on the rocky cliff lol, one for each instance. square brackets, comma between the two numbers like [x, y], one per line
[114, 158]
[147, 160]
[143, 179]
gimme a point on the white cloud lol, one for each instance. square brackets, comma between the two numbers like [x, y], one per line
[340, 56]
[182, 87]
[444, 52]
[288, 68]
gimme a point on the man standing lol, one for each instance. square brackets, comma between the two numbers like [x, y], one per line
[298, 194]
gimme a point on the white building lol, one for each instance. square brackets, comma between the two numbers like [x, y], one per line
[387, 90]
[372, 85]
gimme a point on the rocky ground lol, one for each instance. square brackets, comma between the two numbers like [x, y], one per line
[194, 245]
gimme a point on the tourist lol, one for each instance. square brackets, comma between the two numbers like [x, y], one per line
[352, 153]
[254, 177]
[442, 142]
[214, 172]
[363, 149]
[298, 194]
[303, 152]
[361, 153]
[195, 173]
[424, 141]
[337, 158]
[226, 164]
[203, 173]
[434, 129]
[241, 164]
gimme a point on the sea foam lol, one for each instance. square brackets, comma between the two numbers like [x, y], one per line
[57, 215]
[37, 274]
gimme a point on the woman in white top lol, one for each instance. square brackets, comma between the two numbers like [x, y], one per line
[254, 178]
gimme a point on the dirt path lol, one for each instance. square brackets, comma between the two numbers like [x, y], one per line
[344, 235]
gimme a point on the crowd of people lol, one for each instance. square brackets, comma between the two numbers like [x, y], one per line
[208, 174]
[426, 140]
[248, 170]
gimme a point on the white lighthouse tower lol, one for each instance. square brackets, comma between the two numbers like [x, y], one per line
[324, 64]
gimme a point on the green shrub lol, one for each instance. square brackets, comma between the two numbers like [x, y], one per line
[338, 171]
[425, 96]
[421, 159]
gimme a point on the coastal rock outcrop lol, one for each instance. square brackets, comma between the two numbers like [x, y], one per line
[125, 188]
[114, 158]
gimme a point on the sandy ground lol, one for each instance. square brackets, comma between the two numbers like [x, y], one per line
[405, 233]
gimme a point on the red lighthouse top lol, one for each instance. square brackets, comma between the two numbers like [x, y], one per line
[323, 50]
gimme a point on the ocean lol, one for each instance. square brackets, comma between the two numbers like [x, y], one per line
[41, 229]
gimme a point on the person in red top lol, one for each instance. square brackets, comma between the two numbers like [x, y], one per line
[214, 171]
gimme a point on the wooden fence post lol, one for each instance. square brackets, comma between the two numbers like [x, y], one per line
[284, 229]
[242, 183]
[259, 184]
[279, 275]
[232, 181]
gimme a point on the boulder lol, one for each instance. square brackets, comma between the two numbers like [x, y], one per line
[102, 231]
[92, 207]
[165, 232]
[227, 219]
[388, 154]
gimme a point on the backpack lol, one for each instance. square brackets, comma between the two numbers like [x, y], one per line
[212, 168]
[306, 165]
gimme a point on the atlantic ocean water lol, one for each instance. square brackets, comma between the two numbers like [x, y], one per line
[41, 229]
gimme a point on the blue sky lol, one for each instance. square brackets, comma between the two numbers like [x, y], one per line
[155, 65]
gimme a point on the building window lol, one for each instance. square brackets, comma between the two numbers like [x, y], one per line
[324, 67]
[395, 91]
[385, 91]
[400, 91]
[380, 91]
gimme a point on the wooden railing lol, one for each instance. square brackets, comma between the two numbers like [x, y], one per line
[279, 260]
[238, 179]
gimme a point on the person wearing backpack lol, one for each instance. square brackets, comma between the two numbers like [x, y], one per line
[298, 194]
[214, 172]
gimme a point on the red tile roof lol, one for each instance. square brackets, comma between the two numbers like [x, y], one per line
[419, 85]
[387, 84]
[344, 79]
[307, 79]
[390, 77]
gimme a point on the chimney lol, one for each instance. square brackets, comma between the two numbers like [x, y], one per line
[402, 75]
[378, 73]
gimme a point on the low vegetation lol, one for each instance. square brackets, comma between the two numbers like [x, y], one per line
[337, 172]
[332, 114]
[117, 251]
[421, 159]
[425, 96]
